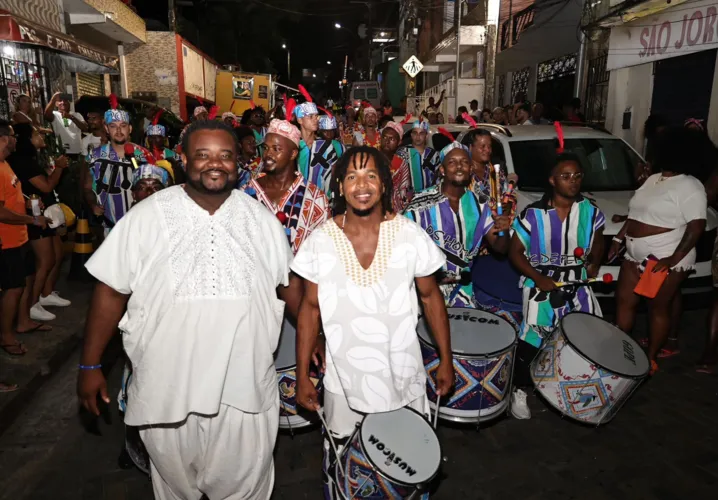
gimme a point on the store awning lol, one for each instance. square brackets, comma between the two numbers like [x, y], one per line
[78, 56]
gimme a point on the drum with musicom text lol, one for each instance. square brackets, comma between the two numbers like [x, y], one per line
[291, 415]
[588, 368]
[483, 346]
[390, 456]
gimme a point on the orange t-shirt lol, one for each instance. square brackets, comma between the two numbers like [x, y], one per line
[11, 235]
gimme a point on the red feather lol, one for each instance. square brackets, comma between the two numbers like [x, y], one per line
[201, 102]
[329, 114]
[365, 104]
[291, 104]
[156, 119]
[129, 149]
[213, 112]
[231, 105]
[467, 118]
[447, 134]
[251, 104]
[559, 134]
[406, 119]
[113, 101]
[305, 93]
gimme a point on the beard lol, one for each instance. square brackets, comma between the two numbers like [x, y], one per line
[460, 184]
[217, 189]
[362, 212]
[119, 142]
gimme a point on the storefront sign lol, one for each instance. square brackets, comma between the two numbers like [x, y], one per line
[193, 66]
[16, 29]
[684, 29]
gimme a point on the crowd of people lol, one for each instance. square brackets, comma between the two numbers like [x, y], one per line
[330, 223]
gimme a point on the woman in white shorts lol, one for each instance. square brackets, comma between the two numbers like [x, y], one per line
[666, 216]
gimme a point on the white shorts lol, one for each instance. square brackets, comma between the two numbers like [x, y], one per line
[660, 246]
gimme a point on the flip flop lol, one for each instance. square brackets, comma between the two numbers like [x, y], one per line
[706, 368]
[654, 368]
[18, 345]
[8, 387]
[668, 353]
[39, 328]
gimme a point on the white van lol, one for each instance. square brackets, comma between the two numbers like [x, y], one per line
[365, 91]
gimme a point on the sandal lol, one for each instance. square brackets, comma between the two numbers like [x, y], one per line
[16, 349]
[668, 353]
[39, 328]
[654, 368]
[8, 387]
[708, 369]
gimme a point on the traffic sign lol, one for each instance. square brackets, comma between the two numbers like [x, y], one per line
[413, 66]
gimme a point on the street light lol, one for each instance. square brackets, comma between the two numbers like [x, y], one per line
[337, 25]
[289, 70]
[329, 63]
[314, 75]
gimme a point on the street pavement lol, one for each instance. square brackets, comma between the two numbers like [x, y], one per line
[662, 445]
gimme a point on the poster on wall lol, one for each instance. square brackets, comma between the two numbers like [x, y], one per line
[13, 91]
[242, 87]
[193, 66]
[210, 80]
[263, 92]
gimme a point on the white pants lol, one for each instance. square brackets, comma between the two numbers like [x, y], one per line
[227, 456]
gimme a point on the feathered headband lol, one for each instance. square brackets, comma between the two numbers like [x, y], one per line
[116, 115]
[306, 108]
[454, 144]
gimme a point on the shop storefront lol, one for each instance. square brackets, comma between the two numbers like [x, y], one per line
[664, 64]
[39, 62]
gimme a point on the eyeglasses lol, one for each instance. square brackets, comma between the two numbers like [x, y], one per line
[571, 175]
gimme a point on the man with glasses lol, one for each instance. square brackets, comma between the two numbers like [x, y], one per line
[543, 250]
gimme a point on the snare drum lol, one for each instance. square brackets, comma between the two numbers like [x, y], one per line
[391, 455]
[588, 368]
[285, 361]
[483, 346]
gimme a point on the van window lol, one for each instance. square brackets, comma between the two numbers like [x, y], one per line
[371, 93]
[359, 94]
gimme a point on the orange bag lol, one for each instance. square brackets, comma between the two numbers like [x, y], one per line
[651, 282]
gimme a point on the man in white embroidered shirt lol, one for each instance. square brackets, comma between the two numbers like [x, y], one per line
[362, 272]
[198, 268]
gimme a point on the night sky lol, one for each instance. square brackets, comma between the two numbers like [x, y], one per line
[251, 32]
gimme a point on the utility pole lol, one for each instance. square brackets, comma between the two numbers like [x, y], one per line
[172, 15]
[370, 34]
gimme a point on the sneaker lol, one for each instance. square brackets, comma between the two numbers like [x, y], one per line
[38, 313]
[519, 407]
[54, 300]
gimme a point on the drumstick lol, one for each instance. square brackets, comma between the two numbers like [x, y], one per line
[320, 412]
[436, 411]
[499, 209]
[606, 278]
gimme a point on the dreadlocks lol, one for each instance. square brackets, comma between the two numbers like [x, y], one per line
[363, 155]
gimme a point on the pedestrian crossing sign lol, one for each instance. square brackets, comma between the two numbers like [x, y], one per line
[413, 66]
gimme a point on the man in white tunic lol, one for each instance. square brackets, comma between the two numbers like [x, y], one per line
[362, 272]
[198, 268]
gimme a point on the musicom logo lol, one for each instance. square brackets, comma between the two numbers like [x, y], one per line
[474, 319]
[391, 456]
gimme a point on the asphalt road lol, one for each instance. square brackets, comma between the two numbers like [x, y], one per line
[662, 445]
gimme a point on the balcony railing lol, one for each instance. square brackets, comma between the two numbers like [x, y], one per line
[522, 20]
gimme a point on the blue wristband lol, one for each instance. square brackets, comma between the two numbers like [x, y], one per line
[89, 367]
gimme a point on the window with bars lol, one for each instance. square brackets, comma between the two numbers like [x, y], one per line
[520, 82]
[597, 90]
[557, 67]
[21, 72]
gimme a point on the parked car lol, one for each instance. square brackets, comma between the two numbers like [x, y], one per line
[608, 162]
[138, 111]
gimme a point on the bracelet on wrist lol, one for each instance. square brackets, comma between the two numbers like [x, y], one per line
[617, 239]
[89, 367]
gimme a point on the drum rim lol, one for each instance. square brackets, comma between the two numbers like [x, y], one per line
[585, 356]
[376, 469]
[468, 356]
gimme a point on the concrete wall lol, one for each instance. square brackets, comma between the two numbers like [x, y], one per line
[153, 68]
[630, 88]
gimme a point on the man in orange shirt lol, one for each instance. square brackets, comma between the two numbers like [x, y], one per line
[17, 262]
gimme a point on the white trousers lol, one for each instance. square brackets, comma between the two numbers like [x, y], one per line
[227, 456]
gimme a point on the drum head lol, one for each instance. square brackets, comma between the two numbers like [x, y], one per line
[474, 332]
[402, 445]
[286, 355]
[604, 344]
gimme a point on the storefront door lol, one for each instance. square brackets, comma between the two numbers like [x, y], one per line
[682, 86]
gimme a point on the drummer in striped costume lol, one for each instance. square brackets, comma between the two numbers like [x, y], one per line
[543, 251]
[417, 170]
[298, 204]
[317, 156]
[457, 221]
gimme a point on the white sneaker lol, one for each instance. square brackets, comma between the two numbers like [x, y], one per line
[54, 300]
[38, 313]
[519, 407]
